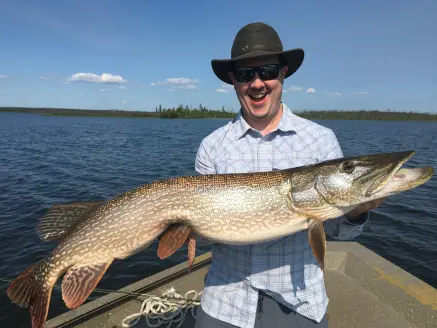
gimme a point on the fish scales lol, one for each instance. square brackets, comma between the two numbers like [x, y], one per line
[234, 203]
[239, 208]
[213, 212]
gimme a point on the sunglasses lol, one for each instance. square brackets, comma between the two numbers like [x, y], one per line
[265, 72]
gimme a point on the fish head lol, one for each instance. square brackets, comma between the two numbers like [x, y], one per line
[351, 181]
[334, 187]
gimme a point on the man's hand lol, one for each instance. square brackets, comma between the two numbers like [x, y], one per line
[363, 208]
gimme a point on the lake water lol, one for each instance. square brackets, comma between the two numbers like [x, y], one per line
[46, 160]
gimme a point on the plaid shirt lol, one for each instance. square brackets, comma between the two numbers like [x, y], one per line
[286, 268]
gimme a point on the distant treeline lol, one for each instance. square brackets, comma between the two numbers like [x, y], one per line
[160, 112]
[370, 115]
[204, 112]
[189, 112]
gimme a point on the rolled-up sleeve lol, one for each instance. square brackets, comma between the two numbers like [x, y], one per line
[204, 163]
[340, 228]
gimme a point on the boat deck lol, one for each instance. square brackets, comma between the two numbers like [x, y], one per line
[365, 290]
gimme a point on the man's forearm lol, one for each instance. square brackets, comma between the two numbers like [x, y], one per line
[357, 219]
[346, 228]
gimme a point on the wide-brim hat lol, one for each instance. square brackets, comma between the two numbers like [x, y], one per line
[257, 40]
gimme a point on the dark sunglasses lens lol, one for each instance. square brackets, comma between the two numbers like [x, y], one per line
[246, 74]
[269, 72]
[243, 74]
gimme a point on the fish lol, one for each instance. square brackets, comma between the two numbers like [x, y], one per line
[235, 208]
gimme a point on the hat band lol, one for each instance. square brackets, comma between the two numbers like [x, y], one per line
[254, 48]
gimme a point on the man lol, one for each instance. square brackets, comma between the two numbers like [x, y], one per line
[277, 283]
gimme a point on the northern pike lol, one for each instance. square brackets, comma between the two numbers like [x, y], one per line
[237, 208]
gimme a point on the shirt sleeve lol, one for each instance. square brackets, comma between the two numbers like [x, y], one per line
[340, 228]
[204, 163]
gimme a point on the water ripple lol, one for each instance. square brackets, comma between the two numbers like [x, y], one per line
[46, 160]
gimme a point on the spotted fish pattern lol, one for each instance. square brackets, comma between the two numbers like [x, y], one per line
[237, 208]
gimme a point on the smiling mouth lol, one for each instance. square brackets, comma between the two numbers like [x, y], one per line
[258, 97]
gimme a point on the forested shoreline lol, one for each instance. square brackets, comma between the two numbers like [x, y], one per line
[204, 112]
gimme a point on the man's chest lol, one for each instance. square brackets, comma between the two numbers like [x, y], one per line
[258, 155]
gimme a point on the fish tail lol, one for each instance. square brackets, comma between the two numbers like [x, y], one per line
[30, 291]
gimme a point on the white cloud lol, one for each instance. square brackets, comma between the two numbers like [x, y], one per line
[337, 94]
[45, 76]
[102, 90]
[360, 93]
[179, 83]
[294, 88]
[94, 78]
[4, 76]
[225, 88]
[184, 87]
[180, 80]
[124, 101]
[122, 87]
[188, 87]
[311, 90]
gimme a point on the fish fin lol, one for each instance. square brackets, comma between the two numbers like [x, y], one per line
[191, 251]
[60, 218]
[317, 239]
[29, 292]
[172, 239]
[79, 282]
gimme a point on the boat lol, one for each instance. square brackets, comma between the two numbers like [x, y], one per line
[365, 290]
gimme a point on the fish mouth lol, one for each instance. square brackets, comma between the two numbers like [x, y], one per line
[397, 179]
[405, 179]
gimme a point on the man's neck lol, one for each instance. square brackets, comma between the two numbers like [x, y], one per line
[268, 124]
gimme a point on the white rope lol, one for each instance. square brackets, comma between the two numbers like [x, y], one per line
[165, 309]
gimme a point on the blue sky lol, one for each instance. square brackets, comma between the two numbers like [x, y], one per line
[359, 54]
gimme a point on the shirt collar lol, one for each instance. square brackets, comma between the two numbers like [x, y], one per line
[286, 123]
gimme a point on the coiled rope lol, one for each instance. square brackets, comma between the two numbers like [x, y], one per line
[170, 308]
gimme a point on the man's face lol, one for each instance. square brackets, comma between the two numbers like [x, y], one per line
[259, 99]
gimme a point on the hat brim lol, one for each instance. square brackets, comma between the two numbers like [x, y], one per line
[293, 59]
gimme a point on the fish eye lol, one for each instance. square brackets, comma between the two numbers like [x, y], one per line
[348, 166]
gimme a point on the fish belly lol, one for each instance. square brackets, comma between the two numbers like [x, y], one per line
[246, 215]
